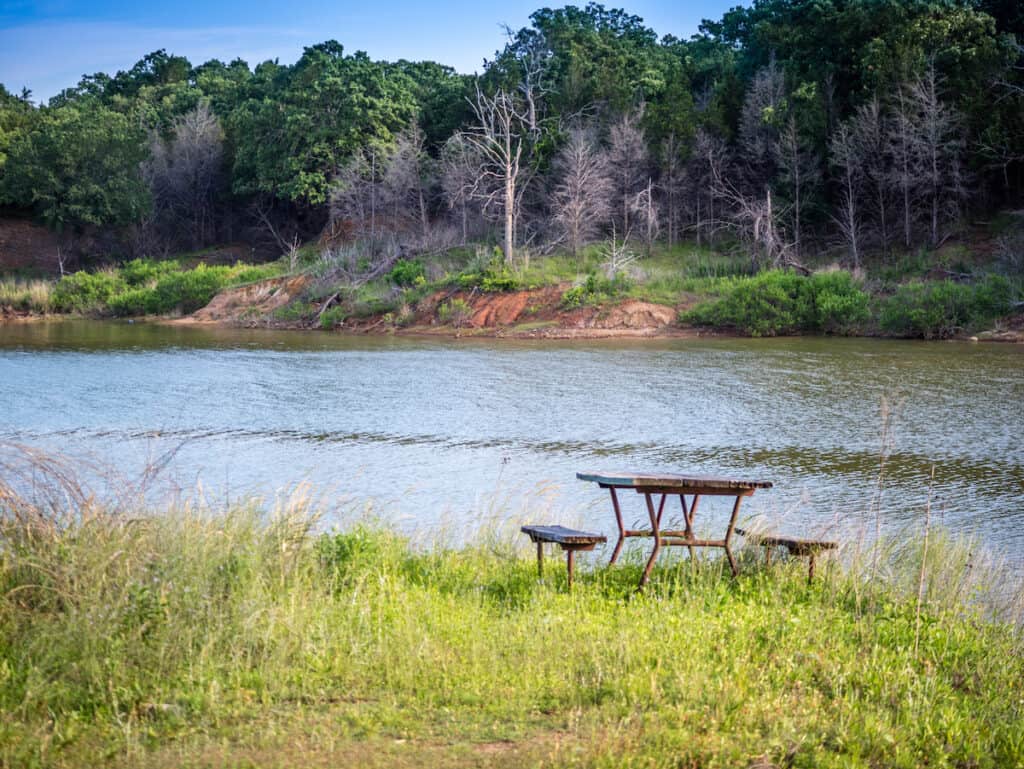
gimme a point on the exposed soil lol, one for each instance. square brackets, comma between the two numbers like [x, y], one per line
[27, 246]
[246, 303]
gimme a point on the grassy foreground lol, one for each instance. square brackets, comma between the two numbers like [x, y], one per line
[249, 638]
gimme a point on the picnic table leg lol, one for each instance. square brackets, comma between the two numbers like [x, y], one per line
[728, 536]
[688, 517]
[570, 562]
[622, 529]
[657, 542]
[810, 569]
[540, 559]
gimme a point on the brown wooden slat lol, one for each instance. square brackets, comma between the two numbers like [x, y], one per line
[794, 545]
[634, 480]
[562, 536]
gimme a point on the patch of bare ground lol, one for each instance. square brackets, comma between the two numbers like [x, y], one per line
[318, 747]
[252, 301]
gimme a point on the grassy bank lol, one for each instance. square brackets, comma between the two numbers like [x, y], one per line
[898, 295]
[192, 637]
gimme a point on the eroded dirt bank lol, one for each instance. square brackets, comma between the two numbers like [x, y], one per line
[534, 313]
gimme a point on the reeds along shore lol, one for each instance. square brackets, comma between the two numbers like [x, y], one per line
[193, 636]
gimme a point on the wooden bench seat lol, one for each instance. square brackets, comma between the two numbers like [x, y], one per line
[570, 540]
[796, 547]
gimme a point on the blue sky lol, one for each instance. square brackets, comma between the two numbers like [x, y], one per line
[47, 45]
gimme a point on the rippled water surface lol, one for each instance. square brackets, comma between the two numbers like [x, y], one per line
[450, 431]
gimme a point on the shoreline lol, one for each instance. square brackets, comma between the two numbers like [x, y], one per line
[524, 331]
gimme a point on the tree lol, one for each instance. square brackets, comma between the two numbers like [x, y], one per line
[407, 171]
[498, 136]
[460, 165]
[798, 173]
[183, 172]
[763, 111]
[937, 145]
[846, 157]
[581, 199]
[79, 166]
[869, 134]
[311, 118]
[627, 156]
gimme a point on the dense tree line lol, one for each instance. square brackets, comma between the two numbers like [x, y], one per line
[794, 125]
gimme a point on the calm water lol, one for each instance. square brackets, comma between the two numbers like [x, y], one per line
[456, 431]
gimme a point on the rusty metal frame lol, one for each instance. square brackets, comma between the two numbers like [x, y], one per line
[675, 538]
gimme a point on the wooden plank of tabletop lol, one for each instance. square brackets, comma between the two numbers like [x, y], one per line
[635, 480]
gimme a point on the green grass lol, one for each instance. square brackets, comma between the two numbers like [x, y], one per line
[242, 637]
[149, 287]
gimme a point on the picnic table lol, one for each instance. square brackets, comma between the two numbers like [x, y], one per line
[665, 485]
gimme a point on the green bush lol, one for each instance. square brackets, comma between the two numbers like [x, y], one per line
[333, 317]
[595, 289]
[940, 310]
[144, 272]
[495, 277]
[407, 272]
[777, 303]
[86, 291]
[456, 312]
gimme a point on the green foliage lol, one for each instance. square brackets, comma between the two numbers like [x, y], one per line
[456, 312]
[146, 287]
[87, 291]
[939, 310]
[303, 122]
[595, 290]
[78, 165]
[492, 276]
[333, 316]
[777, 303]
[408, 272]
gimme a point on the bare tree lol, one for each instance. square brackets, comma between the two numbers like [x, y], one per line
[530, 49]
[460, 165]
[645, 213]
[756, 220]
[938, 147]
[870, 132]
[846, 157]
[627, 154]
[581, 199]
[356, 191]
[407, 172]
[761, 114]
[707, 171]
[673, 177]
[799, 172]
[183, 172]
[498, 137]
[902, 172]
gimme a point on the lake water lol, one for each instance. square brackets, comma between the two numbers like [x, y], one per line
[453, 432]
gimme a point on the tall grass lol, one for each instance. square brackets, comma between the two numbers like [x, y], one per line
[26, 295]
[173, 636]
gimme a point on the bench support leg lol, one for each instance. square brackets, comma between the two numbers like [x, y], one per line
[570, 562]
[540, 559]
[810, 569]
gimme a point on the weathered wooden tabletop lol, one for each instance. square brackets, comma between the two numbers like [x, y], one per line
[640, 481]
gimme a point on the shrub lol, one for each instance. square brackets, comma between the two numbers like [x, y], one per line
[145, 272]
[940, 310]
[778, 302]
[456, 312]
[407, 272]
[333, 317]
[595, 289]
[86, 291]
